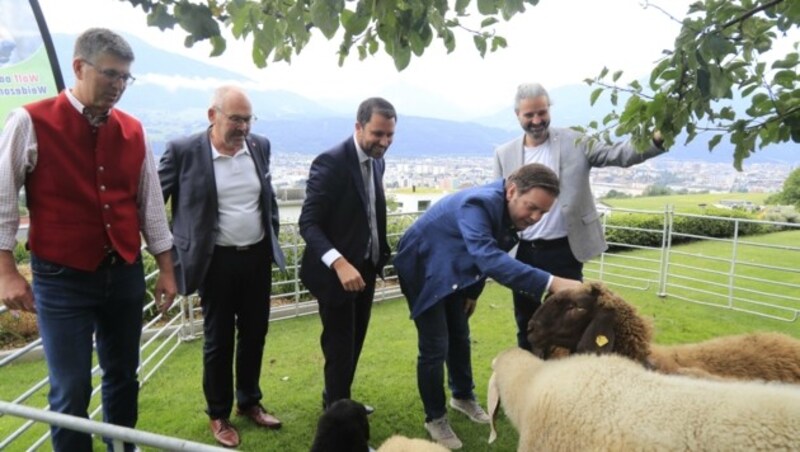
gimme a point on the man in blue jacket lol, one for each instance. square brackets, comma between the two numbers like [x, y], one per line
[443, 261]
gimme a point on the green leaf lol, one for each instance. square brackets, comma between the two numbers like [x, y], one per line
[217, 45]
[789, 62]
[487, 7]
[161, 18]
[402, 57]
[603, 73]
[489, 21]
[704, 82]
[480, 44]
[719, 47]
[616, 76]
[461, 6]
[354, 22]
[325, 17]
[595, 94]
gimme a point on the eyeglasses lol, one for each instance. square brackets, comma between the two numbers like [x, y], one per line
[236, 119]
[113, 75]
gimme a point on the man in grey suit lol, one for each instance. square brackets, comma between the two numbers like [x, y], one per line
[225, 224]
[571, 233]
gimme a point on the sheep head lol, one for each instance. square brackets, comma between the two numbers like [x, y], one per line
[574, 320]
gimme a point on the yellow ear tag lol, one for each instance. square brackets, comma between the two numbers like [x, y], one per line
[601, 340]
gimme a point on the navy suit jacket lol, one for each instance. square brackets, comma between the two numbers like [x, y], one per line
[459, 242]
[335, 215]
[186, 171]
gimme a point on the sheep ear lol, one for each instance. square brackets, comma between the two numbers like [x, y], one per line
[493, 402]
[599, 334]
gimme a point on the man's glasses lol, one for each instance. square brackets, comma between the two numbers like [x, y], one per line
[113, 75]
[236, 119]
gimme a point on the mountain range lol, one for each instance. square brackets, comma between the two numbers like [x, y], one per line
[173, 93]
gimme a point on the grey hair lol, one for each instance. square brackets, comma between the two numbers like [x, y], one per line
[98, 41]
[529, 91]
[377, 105]
[218, 98]
[535, 175]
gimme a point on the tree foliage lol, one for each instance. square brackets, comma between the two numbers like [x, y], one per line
[280, 28]
[790, 195]
[719, 61]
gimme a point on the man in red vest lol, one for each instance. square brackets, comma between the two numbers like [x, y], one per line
[92, 188]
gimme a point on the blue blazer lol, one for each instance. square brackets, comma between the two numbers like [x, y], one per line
[459, 242]
[186, 171]
[335, 215]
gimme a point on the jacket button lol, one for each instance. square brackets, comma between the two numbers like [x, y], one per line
[455, 286]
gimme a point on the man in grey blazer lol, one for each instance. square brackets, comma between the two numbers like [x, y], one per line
[571, 233]
[225, 224]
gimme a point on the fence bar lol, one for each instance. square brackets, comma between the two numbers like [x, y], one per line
[115, 432]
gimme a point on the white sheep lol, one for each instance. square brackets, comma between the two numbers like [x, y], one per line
[608, 402]
[592, 319]
[402, 444]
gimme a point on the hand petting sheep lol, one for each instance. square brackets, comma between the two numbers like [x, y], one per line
[611, 403]
[592, 319]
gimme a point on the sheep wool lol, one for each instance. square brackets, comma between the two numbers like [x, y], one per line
[402, 444]
[609, 402]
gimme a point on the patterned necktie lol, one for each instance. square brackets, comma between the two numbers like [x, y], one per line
[369, 186]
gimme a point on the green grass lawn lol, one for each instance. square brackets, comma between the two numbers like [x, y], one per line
[682, 203]
[172, 402]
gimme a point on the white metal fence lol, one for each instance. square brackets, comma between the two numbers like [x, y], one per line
[758, 274]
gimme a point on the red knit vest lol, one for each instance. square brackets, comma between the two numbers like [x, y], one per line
[82, 191]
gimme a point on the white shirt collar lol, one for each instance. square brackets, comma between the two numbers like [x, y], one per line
[362, 156]
[215, 154]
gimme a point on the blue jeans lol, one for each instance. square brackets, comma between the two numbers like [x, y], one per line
[443, 336]
[72, 305]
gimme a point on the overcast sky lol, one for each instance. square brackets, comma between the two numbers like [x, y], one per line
[558, 42]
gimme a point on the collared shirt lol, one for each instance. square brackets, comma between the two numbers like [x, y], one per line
[553, 225]
[331, 255]
[238, 198]
[18, 155]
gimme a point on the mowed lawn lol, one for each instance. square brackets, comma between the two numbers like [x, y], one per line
[172, 403]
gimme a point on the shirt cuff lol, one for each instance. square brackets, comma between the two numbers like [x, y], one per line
[331, 256]
[547, 287]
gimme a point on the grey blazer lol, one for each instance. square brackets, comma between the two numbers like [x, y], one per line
[575, 161]
[186, 171]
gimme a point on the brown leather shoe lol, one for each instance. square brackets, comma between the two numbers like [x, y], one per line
[224, 432]
[259, 415]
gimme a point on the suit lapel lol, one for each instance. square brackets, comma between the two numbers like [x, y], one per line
[207, 167]
[355, 171]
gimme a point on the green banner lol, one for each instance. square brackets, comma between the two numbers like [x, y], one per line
[28, 68]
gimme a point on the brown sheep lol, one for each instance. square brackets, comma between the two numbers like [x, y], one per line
[593, 319]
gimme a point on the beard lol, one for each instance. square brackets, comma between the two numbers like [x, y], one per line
[538, 131]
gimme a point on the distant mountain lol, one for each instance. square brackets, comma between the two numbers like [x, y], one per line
[172, 94]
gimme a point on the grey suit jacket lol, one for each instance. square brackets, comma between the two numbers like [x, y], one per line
[186, 171]
[575, 161]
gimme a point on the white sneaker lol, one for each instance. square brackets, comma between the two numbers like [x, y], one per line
[440, 431]
[472, 409]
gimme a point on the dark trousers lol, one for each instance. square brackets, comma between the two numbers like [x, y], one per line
[344, 328]
[235, 302]
[551, 256]
[443, 339]
[72, 306]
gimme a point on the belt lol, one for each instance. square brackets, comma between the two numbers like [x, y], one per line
[239, 247]
[546, 244]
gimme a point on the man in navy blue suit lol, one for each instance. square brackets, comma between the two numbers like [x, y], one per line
[343, 223]
[443, 261]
